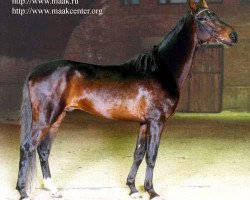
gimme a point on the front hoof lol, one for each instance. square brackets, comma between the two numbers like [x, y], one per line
[136, 195]
[56, 194]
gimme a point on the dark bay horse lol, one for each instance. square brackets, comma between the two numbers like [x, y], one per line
[145, 89]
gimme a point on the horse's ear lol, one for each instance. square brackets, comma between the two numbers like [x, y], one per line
[203, 3]
[192, 5]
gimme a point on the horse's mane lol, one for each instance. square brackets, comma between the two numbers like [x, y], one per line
[146, 63]
[143, 63]
[170, 39]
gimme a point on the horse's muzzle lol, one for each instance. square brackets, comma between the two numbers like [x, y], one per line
[234, 37]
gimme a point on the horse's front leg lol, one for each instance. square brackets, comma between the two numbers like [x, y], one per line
[155, 128]
[139, 153]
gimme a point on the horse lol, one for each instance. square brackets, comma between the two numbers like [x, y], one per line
[145, 89]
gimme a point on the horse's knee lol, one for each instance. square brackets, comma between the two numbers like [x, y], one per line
[139, 155]
[139, 152]
[147, 186]
[150, 160]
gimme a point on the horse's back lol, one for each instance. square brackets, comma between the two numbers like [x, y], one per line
[100, 90]
[108, 91]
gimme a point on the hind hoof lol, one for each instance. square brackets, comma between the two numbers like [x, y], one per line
[56, 194]
[136, 195]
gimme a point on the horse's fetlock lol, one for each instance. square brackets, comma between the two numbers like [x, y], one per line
[18, 187]
[147, 186]
[130, 181]
[130, 184]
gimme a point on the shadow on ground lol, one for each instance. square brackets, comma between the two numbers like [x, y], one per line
[201, 157]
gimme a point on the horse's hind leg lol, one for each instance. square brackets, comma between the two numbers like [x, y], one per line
[27, 163]
[138, 157]
[26, 158]
[44, 152]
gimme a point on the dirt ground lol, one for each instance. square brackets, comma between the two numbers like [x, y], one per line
[201, 157]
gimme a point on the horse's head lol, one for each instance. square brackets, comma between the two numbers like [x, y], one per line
[210, 27]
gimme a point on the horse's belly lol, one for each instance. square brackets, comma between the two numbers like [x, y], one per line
[112, 105]
[113, 109]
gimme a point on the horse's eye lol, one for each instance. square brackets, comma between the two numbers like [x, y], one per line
[206, 18]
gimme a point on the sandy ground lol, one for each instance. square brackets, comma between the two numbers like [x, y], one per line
[201, 157]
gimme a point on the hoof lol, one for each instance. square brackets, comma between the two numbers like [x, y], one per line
[56, 194]
[26, 198]
[48, 184]
[136, 195]
[157, 198]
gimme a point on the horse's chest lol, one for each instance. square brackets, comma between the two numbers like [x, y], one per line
[166, 104]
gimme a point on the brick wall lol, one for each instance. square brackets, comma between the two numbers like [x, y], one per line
[24, 43]
[120, 33]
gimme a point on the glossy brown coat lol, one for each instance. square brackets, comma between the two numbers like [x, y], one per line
[145, 89]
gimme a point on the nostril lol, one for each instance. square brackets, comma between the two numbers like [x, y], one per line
[234, 37]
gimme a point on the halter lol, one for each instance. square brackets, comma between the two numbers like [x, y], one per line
[201, 11]
[210, 32]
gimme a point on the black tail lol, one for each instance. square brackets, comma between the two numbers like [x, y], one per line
[26, 135]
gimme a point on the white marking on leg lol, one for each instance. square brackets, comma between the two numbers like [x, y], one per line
[49, 185]
[136, 195]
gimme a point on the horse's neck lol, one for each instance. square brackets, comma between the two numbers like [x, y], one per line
[177, 50]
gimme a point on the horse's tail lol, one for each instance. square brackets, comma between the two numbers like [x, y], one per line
[26, 136]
